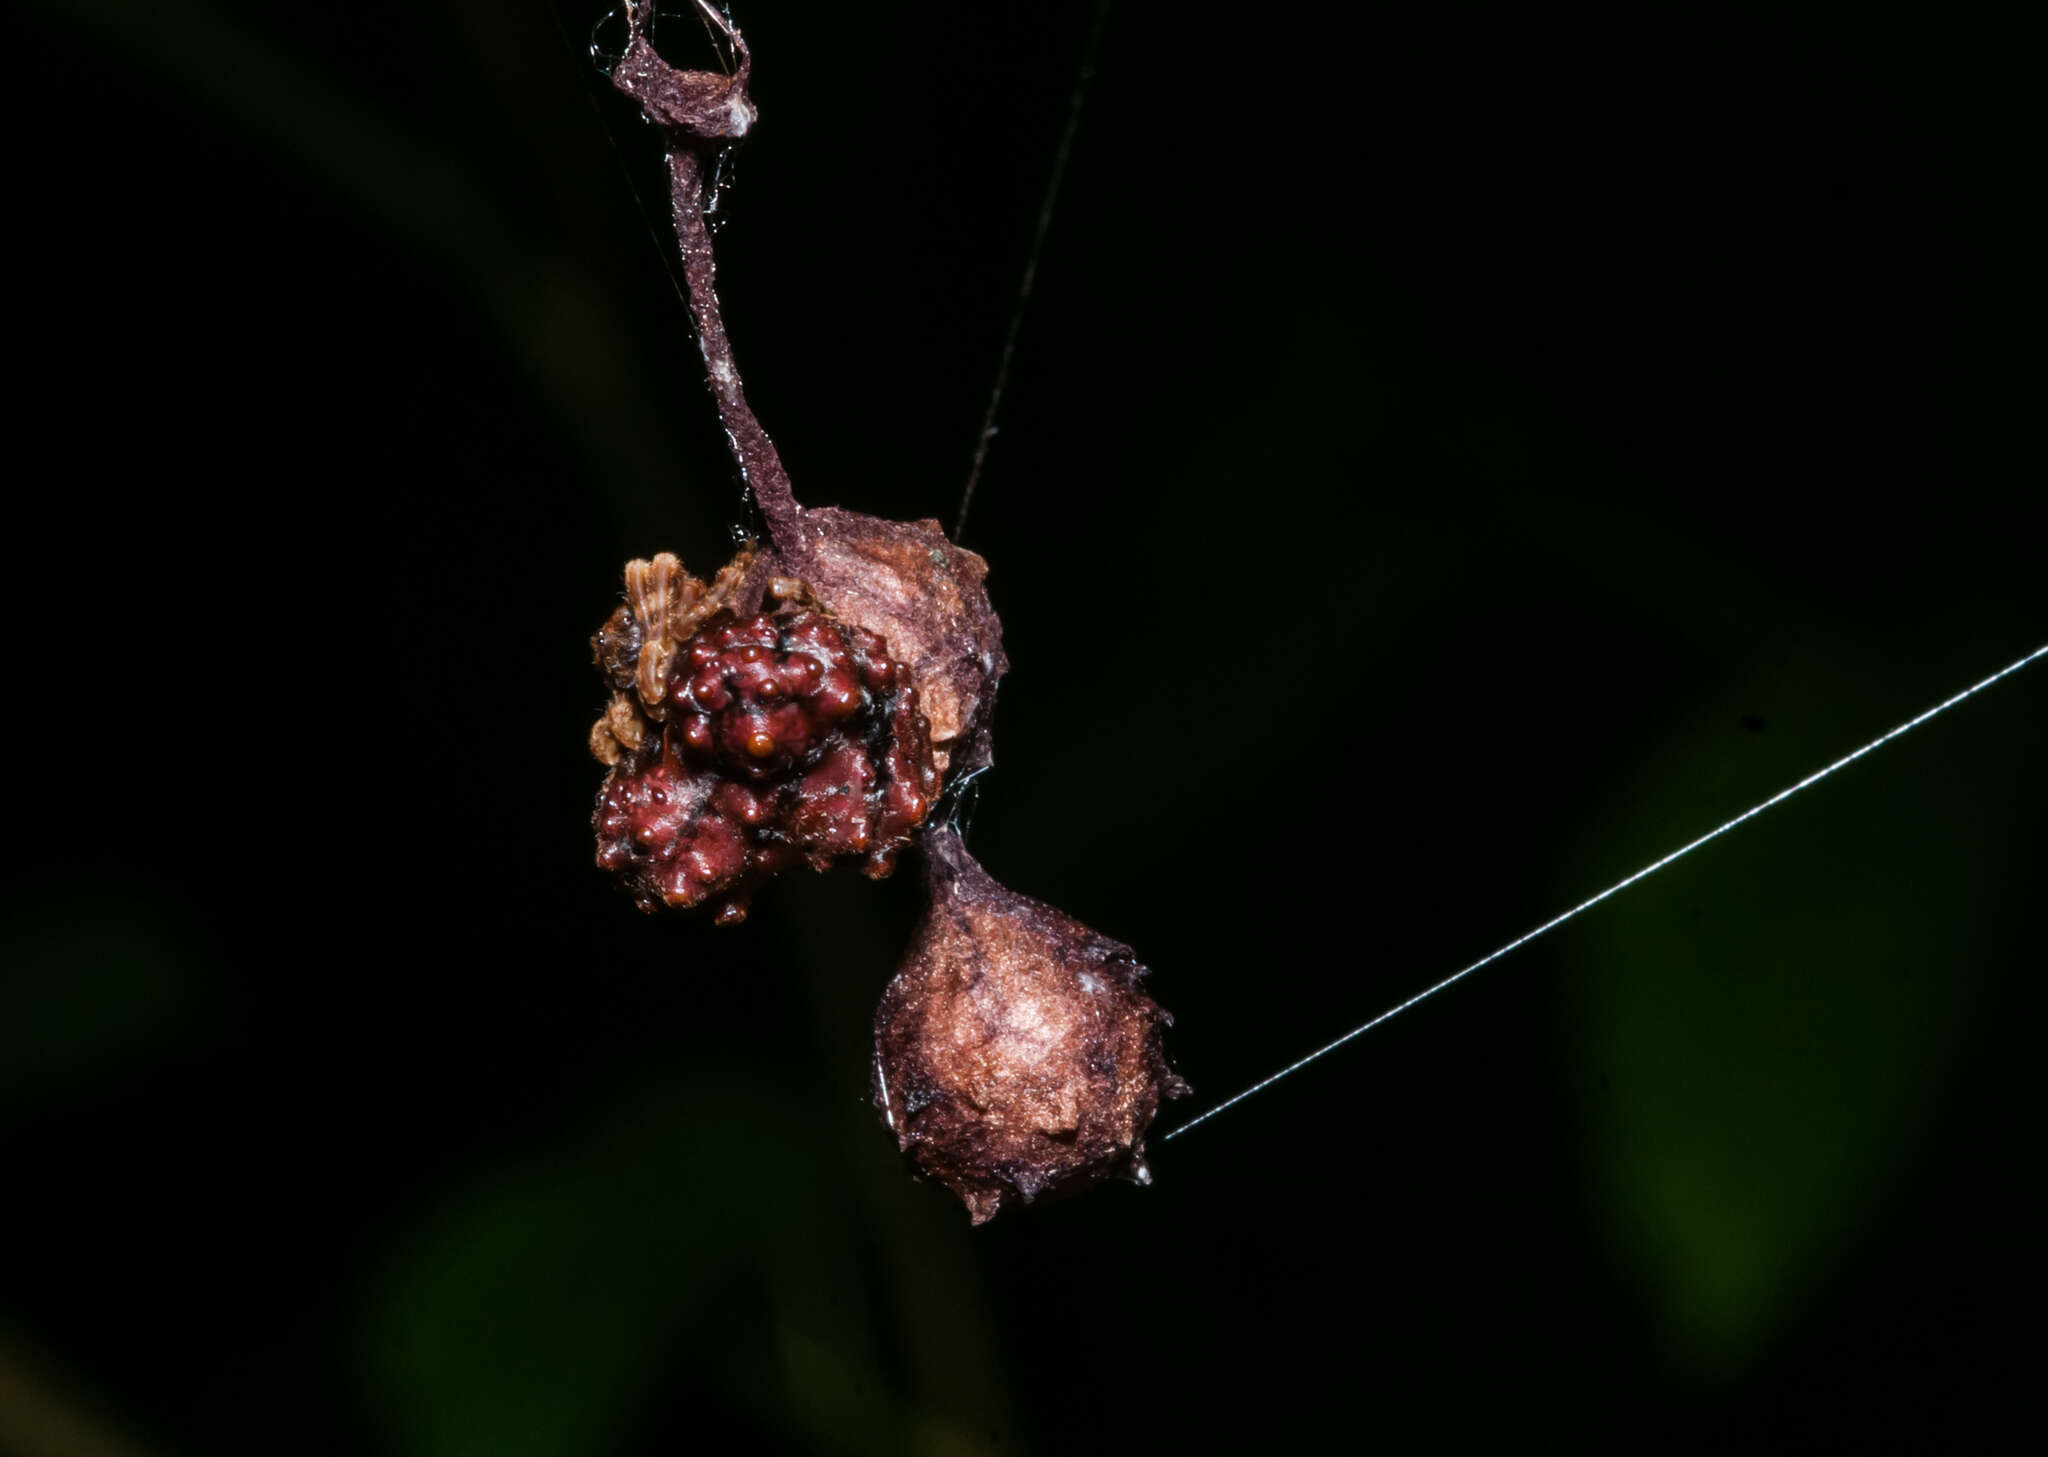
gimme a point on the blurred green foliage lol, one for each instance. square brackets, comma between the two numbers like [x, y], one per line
[1772, 1025]
[544, 1307]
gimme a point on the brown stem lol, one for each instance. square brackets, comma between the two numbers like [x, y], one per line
[760, 467]
[700, 112]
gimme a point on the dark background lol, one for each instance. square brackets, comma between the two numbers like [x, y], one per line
[1456, 454]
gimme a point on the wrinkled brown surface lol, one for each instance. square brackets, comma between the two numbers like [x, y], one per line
[925, 597]
[1015, 1055]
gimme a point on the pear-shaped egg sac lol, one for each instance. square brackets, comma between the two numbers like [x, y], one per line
[1015, 1055]
[756, 743]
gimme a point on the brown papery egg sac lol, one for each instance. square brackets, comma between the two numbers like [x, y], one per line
[1015, 1055]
